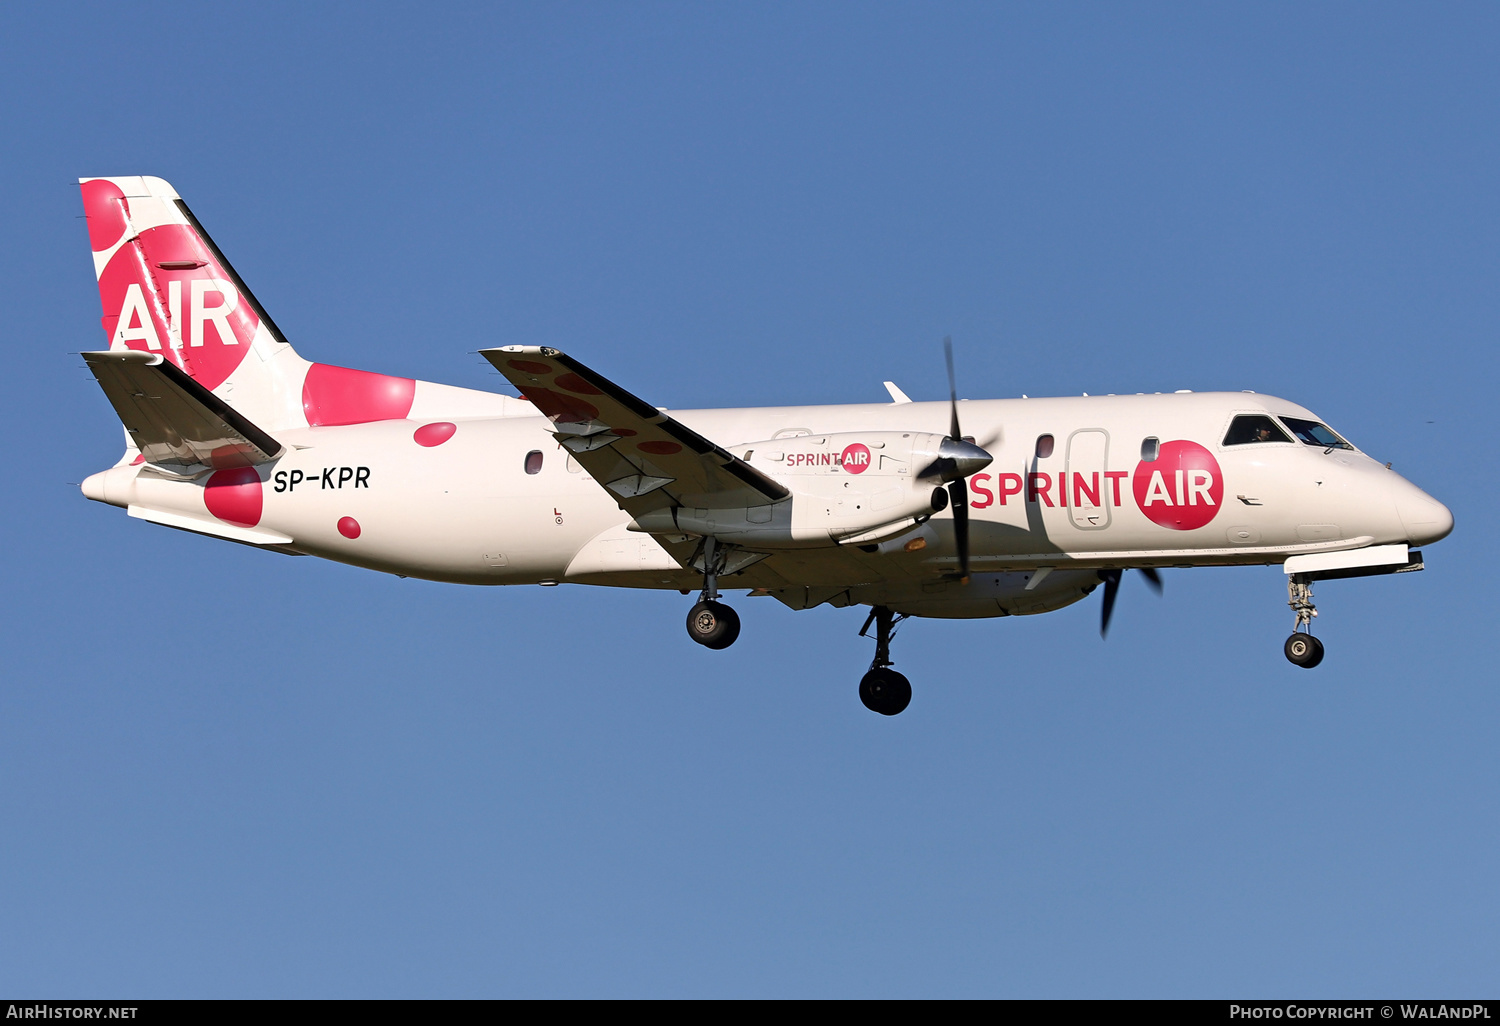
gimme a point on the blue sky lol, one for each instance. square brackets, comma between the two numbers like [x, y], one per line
[230, 773]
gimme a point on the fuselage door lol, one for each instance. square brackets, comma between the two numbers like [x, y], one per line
[1084, 484]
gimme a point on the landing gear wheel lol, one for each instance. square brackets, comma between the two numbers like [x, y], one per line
[1304, 650]
[713, 624]
[885, 691]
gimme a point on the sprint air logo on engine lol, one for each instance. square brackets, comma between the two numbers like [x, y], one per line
[1182, 489]
[855, 459]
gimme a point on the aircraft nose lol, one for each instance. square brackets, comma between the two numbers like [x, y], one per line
[1426, 520]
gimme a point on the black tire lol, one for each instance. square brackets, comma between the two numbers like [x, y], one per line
[713, 625]
[885, 691]
[1303, 650]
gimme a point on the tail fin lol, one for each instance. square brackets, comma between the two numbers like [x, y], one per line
[166, 289]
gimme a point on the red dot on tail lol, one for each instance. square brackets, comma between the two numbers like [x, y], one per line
[434, 434]
[102, 201]
[349, 527]
[530, 366]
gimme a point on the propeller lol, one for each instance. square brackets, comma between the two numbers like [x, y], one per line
[958, 489]
[1111, 579]
[957, 459]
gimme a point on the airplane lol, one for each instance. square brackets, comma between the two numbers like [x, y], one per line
[892, 506]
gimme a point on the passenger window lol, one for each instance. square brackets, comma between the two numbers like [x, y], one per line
[1313, 433]
[534, 462]
[1252, 429]
[1150, 450]
[1044, 445]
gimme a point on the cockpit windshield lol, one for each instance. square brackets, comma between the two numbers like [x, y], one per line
[1313, 433]
[1252, 428]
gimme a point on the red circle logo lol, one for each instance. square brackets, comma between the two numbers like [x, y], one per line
[855, 458]
[1182, 489]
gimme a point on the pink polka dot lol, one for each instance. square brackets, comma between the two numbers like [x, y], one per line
[234, 496]
[574, 383]
[434, 434]
[333, 396]
[660, 448]
[103, 205]
[349, 527]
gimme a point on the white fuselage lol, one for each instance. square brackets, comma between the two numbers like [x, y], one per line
[466, 509]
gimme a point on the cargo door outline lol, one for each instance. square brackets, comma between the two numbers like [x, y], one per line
[1087, 490]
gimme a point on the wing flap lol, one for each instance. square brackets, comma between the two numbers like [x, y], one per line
[173, 420]
[644, 458]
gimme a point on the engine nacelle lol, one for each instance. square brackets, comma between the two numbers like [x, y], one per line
[847, 488]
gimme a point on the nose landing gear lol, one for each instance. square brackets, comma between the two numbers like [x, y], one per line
[711, 623]
[1302, 649]
[882, 689]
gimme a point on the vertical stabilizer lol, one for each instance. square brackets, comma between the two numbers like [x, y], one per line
[167, 290]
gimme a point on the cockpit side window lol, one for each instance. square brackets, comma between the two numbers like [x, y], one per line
[1313, 433]
[1253, 428]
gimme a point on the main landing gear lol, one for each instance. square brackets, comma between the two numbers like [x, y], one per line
[883, 690]
[711, 623]
[1302, 649]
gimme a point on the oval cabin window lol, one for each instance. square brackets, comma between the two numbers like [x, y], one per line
[1044, 445]
[534, 461]
[1150, 449]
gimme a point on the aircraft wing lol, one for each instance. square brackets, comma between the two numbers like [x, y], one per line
[643, 458]
[172, 419]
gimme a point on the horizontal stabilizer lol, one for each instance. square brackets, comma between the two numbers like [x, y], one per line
[173, 420]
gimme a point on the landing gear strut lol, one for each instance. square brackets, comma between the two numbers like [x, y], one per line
[711, 623]
[1302, 649]
[883, 690]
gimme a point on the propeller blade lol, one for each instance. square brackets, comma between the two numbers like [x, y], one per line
[954, 431]
[958, 494]
[1152, 578]
[1111, 580]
